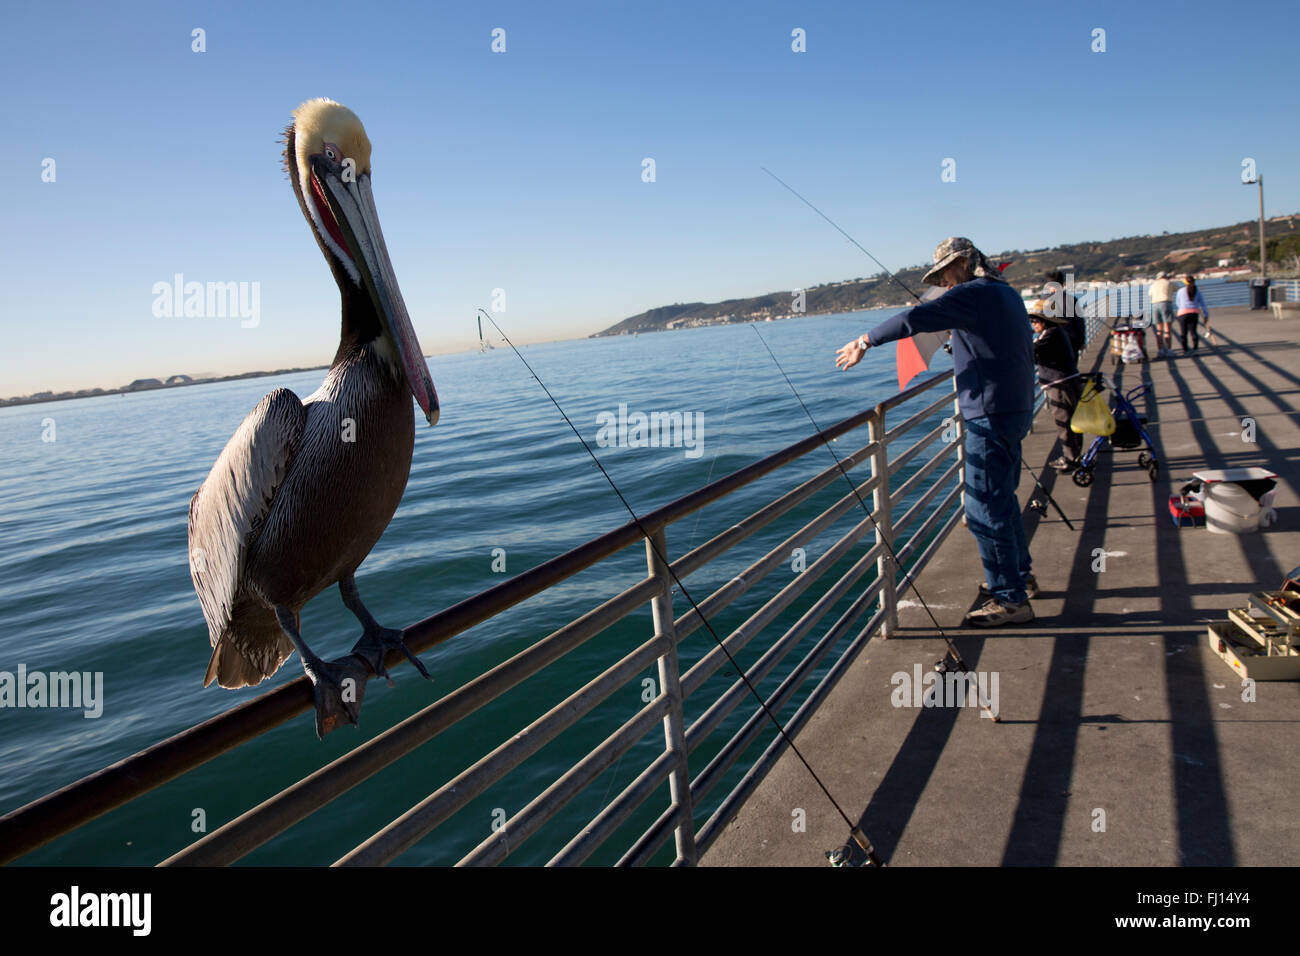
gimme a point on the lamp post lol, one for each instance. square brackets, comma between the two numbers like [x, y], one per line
[1263, 263]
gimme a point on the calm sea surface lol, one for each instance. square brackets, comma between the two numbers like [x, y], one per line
[94, 576]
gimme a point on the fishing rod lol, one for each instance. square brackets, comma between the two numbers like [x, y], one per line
[1023, 463]
[854, 830]
[841, 232]
[958, 661]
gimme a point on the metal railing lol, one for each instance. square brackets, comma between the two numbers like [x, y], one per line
[1129, 299]
[918, 491]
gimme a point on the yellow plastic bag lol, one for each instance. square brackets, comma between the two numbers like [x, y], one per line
[1092, 415]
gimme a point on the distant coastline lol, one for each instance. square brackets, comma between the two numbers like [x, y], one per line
[1225, 248]
[146, 385]
[1206, 252]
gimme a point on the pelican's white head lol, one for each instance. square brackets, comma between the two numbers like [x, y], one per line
[331, 159]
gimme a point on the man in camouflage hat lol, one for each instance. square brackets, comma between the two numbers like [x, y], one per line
[993, 361]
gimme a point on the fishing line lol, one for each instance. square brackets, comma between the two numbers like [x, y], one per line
[841, 232]
[859, 837]
[952, 648]
[690, 544]
[1023, 463]
[709, 477]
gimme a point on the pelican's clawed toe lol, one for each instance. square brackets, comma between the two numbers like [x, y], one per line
[339, 687]
[376, 642]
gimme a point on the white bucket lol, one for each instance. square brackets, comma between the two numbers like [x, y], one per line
[1231, 509]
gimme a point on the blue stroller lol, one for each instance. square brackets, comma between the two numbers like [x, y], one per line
[1129, 434]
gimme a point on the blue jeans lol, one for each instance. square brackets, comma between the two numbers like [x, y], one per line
[992, 508]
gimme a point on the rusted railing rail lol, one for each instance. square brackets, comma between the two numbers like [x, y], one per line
[871, 608]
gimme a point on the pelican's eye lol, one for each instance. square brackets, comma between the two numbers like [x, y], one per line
[331, 152]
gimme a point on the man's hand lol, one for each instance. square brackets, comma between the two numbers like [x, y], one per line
[851, 354]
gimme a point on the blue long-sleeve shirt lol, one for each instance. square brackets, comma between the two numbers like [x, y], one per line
[1185, 304]
[992, 344]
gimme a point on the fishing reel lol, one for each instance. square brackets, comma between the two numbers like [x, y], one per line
[858, 851]
[850, 855]
[948, 665]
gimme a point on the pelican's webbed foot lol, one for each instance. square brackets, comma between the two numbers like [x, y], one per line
[339, 687]
[376, 641]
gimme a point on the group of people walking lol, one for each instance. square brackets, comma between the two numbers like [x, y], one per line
[1189, 305]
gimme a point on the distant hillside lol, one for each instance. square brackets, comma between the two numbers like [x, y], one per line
[1114, 260]
[143, 385]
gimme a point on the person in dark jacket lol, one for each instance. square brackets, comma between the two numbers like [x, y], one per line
[994, 370]
[1070, 309]
[1058, 375]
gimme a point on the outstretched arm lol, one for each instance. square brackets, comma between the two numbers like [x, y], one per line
[952, 310]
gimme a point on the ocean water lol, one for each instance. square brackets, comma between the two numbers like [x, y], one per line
[94, 577]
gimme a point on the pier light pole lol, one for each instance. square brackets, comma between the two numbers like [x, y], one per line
[1263, 263]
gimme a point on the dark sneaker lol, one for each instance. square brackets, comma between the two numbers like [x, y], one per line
[1031, 588]
[993, 613]
[1064, 465]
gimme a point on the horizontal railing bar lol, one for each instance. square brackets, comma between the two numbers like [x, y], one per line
[940, 510]
[730, 806]
[715, 657]
[924, 557]
[603, 825]
[716, 712]
[44, 819]
[916, 449]
[281, 811]
[518, 828]
[31, 826]
[739, 584]
[919, 505]
[910, 393]
[408, 829]
[704, 782]
[724, 541]
[648, 844]
[731, 751]
[908, 423]
[907, 487]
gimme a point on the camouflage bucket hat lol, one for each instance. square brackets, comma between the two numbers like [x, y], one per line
[953, 248]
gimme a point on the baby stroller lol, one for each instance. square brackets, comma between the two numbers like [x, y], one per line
[1128, 434]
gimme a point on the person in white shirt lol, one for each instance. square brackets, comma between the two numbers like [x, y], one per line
[1162, 313]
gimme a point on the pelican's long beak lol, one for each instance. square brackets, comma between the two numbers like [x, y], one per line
[353, 205]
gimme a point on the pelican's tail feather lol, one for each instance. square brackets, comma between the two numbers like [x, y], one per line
[249, 650]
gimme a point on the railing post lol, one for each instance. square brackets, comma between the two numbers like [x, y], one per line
[885, 567]
[959, 423]
[679, 781]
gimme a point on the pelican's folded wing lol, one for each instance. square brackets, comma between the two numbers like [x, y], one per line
[228, 510]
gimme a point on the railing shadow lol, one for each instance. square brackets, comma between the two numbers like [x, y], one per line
[1038, 824]
[1200, 801]
[891, 805]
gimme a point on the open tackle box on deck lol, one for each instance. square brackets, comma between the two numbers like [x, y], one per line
[1262, 640]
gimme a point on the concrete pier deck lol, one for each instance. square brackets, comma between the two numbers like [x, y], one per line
[1123, 738]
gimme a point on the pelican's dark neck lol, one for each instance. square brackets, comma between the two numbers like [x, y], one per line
[360, 323]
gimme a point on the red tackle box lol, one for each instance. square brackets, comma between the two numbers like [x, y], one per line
[1185, 509]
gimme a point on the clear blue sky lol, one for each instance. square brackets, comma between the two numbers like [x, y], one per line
[522, 170]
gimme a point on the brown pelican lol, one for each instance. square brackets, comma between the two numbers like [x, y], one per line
[304, 489]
